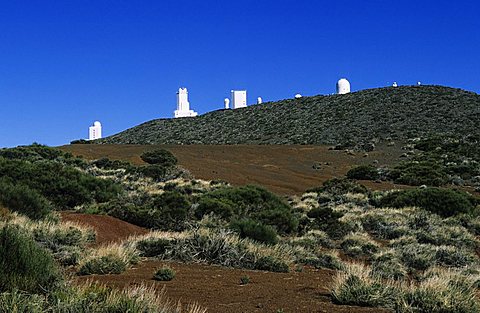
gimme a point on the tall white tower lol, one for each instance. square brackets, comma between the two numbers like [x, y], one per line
[239, 99]
[183, 106]
[95, 131]
[227, 103]
[343, 86]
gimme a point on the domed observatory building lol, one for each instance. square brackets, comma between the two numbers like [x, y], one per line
[95, 131]
[343, 86]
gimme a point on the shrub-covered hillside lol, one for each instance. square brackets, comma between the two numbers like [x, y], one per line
[351, 119]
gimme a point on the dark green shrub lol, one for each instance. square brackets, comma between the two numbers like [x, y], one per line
[24, 265]
[340, 186]
[164, 274]
[63, 185]
[329, 261]
[247, 228]
[270, 264]
[249, 202]
[171, 211]
[153, 247]
[155, 172]
[328, 220]
[444, 202]
[160, 157]
[22, 199]
[366, 172]
[218, 206]
[107, 264]
[418, 173]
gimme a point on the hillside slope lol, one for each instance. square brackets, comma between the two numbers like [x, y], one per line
[351, 119]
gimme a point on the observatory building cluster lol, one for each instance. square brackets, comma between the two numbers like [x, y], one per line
[238, 99]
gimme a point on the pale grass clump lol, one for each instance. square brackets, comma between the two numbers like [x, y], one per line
[358, 199]
[359, 245]
[52, 232]
[108, 259]
[444, 291]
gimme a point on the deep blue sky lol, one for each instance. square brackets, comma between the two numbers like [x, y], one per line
[64, 64]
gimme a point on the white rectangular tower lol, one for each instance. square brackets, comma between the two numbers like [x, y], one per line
[183, 106]
[239, 99]
[95, 131]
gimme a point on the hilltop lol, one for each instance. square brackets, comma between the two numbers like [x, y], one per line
[353, 120]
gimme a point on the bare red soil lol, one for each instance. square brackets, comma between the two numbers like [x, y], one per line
[282, 169]
[108, 229]
[219, 290]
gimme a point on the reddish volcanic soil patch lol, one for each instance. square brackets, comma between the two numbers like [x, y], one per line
[109, 229]
[282, 169]
[219, 289]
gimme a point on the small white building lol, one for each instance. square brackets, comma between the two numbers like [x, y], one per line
[226, 102]
[183, 106]
[343, 86]
[259, 100]
[95, 131]
[239, 99]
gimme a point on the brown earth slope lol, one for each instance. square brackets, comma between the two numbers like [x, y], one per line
[108, 229]
[282, 169]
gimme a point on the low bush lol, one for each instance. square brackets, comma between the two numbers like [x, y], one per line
[251, 202]
[247, 228]
[153, 247]
[227, 249]
[340, 186]
[358, 245]
[356, 287]
[161, 157]
[24, 265]
[269, 263]
[106, 264]
[22, 199]
[444, 202]
[366, 172]
[419, 173]
[324, 260]
[165, 273]
[171, 211]
[417, 256]
[387, 266]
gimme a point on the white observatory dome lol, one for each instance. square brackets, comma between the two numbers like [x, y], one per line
[343, 86]
[97, 123]
[298, 96]
[226, 103]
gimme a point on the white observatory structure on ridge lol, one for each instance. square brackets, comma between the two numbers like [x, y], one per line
[183, 106]
[95, 131]
[239, 99]
[343, 86]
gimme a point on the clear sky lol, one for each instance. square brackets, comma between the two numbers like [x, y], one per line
[65, 64]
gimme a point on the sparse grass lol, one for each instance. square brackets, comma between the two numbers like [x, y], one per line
[244, 280]
[165, 273]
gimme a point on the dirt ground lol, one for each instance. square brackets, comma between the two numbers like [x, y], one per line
[108, 229]
[282, 169]
[218, 288]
